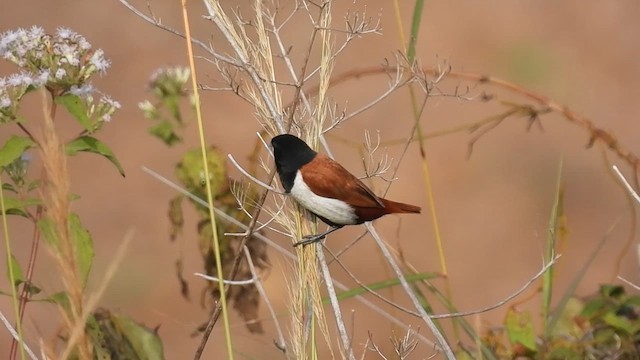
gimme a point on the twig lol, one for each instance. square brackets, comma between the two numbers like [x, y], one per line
[369, 290]
[451, 315]
[595, 133]
[629, 283]
[226, 28]
[251, 177]
[226, 282]
[335, 304]
[157, 23]
[630, 188]
[224, 216]
[255, 280]
[505, 300]
[14, 334]
[281, 343]
[444, 346]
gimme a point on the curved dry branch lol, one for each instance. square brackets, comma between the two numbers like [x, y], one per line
[596, 134]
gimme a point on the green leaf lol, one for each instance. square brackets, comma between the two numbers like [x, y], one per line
[17, 206]
[14, 267]
[122, 337]
[565, 322]
[564, 353]
[415, 30]
[77, 108]
[619, 323]
[33, 185]
[520, 329]
[593, 307]
[165, 131]
[17, 212]
[633, 300]
[80, 238]
[9, 187]
[61, 299]
[98, 339]
[146, 343]
[13, 148]
[48, 231]
[83, 246]
[93, 145]
[382, 285]
[612, 291]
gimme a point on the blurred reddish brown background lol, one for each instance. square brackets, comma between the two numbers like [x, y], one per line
[493, 208]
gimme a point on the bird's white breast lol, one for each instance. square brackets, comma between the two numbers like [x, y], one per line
[336, 211]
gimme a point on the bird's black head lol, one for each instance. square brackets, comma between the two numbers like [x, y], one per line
[291, 153]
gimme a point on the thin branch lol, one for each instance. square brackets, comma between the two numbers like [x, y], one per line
[629, 283]
[368, 289]
[444, 346]
[251, 177]
[506, 300]
[395, 85]
[264, 143]
[226, 282]
[224, 25]
[14, 334]
[630, 188]
[280, 343]
[299, 80]
[335, 304]
[255, 280]
[224, 216]
[158, 23]
[595, 133]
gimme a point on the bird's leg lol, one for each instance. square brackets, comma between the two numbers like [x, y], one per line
[310, 239]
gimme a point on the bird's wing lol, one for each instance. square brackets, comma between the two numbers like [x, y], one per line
[329, 179]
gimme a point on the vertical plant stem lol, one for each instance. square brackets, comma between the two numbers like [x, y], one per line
[24, 295]
[30, 265]
[411, 53]
[12, 276]
[212, 216]
[335, 304]
[557, 212]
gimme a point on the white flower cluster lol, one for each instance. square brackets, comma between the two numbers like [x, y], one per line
[170, 81]
[63, 63]
[67, 55]
[13, 88]
[165, 83]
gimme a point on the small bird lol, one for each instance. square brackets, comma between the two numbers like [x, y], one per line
[326, 189]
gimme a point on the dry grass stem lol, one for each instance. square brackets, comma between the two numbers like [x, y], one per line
[335, 304]
[56, 195]
[263, 93]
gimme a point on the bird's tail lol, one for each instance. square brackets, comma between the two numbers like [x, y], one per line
[397, 207]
